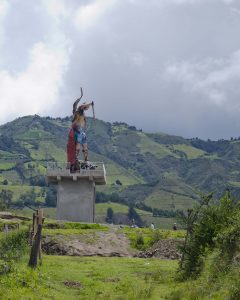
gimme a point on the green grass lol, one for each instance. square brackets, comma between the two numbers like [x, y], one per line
[169, 201]
[48, 149]
[149, 236]
[49, 212]
[96, 277]
[213, 283]
[118, 128]
[35, 167]
[21, 189]
[101, 212]
[34, 133]
[147, 232]
[190, 151]
[12, 176]
[61, 123]
[146, 145]
[7, 155]
[159, 222]
[6, 165]
[101, 209]
[1, 178]
[234, 183]
[114, 171]
[71, 228]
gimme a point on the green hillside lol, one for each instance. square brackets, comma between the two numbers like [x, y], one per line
[153, 170]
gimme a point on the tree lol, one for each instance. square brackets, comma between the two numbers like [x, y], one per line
[51, 196]
[28, 198]
[109, 217]
[133, 215]
[5, 199]
[5, 182]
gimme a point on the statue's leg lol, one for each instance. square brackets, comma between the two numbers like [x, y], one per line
[85, 152]
[77, 150]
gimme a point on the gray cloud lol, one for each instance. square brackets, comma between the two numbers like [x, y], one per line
[167, 65]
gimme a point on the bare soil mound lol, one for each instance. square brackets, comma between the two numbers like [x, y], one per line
[164, 249]
[99, 243]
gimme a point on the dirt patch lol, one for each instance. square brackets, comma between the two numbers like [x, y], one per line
[111, 279]
[108, 243]
[164, 249]
[73, 284]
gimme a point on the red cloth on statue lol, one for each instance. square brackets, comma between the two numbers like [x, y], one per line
[71, 147]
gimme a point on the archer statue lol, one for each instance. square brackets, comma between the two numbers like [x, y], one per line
[77, 137]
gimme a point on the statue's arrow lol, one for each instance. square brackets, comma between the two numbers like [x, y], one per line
[94, 118]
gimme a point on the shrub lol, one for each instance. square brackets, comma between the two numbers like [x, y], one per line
[210, 227]
[139, 242]
[12, 248]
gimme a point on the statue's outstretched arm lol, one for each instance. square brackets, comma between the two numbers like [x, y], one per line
[86, 106]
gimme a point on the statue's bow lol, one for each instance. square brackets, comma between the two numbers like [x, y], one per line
[75, 104]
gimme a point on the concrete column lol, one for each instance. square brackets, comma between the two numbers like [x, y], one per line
[76, 200]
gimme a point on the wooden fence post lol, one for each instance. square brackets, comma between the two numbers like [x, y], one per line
[35, 248]
[36, 239]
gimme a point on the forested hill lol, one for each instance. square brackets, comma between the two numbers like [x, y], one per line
[158, 170]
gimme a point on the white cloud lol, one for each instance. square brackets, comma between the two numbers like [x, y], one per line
[57, 9]
[36, 89]
[215, 78]
[4, 7]
[88, 15]
[137, 58]
[179, 2]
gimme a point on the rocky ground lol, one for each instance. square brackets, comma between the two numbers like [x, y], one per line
[164, 249]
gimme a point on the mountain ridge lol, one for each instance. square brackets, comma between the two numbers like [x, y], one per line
[155, 169]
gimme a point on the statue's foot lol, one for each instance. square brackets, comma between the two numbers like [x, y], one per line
[72, 169]
[91, 166]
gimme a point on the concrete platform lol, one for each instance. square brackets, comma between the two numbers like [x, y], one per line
[76, 191]
[60, 171]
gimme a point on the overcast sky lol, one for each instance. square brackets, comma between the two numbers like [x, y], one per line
[169, 66]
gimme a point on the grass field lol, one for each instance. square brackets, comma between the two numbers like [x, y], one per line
[22, 189]
[46, 150]
[159, 222]
[101, 209]
[62, 277]
[169, 201]
[190, 151]
[13, 177]
[114, 171]
[148, 145]
[49, 212]
[35, 167]
[6, 165]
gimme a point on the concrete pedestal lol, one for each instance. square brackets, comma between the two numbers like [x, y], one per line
[76, 200]
[76, 192]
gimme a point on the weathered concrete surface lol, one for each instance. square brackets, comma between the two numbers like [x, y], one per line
[55, 174]
[76, 200]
